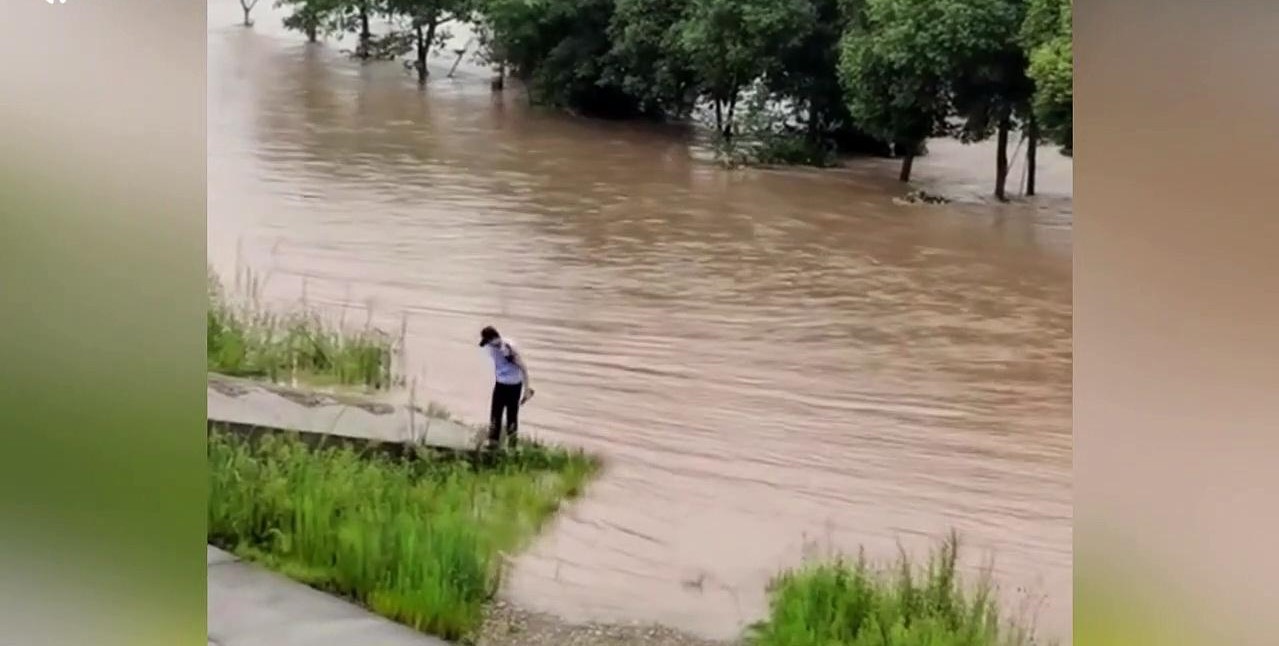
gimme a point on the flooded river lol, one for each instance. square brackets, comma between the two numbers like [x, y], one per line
[769, 360]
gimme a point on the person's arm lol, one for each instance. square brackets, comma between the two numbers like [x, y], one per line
[518, 360]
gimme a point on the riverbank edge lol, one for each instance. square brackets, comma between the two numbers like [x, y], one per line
[248, 602]
[395, 450]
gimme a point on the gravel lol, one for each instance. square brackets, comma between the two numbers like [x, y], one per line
[506, 625]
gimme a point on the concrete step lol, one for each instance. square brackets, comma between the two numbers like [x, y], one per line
[252, 404]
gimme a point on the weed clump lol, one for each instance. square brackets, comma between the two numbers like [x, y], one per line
[245, 340]
[850, 603]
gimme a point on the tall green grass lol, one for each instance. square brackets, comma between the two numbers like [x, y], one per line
[851, 603]
[246, 340]
[419, 541]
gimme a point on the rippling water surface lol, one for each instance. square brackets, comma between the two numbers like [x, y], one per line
[768, 359]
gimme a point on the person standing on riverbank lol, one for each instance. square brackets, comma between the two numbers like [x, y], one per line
[511, 388]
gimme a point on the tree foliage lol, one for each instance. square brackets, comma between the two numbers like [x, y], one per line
[1048, 36]
[900, 60]
[424, 20]
[990, 91]
[732, 43]
[559, 48]
[991, 82]
[646, 58]
[355, 17]
[314, 18]
[806, 77]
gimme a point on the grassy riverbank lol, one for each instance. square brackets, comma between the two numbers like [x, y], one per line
[853, 603]
[245, 340]
[419, 541]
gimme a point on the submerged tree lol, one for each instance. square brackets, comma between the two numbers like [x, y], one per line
[425, 18]
[730, 44]
[899, 60]
[559, 48]
[646, 59]
[806, 76]
[247, 6]
[894, 90]
[355, 16]
[991, 91]
[1048, 36]
[311, 17]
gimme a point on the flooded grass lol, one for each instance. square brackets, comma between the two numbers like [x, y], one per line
[419, 541]
[853, 603]
[245, 340]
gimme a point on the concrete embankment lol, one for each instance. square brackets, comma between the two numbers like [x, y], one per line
[245, 405]
[249, 606]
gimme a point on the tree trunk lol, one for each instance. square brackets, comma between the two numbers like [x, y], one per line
[1001, 157]
[312, 32]
[424, 39]
[425, 50]
[1032, 143]
[814, 117]
[732, 110]
[719, 117]
[499, 83]
[248, 22]
[365, 35]
[908, 162]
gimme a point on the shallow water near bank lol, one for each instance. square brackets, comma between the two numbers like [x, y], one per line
[766, 359]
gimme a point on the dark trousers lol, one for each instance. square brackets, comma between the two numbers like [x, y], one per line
[506, 398]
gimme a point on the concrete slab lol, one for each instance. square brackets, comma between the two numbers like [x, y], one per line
[216, 556]
[250, 606]
[255, 404]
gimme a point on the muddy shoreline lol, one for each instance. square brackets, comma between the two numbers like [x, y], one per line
[506, 624]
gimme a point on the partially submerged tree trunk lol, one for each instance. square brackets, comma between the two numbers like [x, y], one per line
[420, 62]
[424, 40]
[248, 6]
[366, 36]
[816, 126]
[312, 32]
[1001, 156]
[908, 162]
[498, 84]
[1032, 142]
[732, 117]
[422, 70]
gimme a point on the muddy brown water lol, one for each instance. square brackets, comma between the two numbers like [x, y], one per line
[769, 360]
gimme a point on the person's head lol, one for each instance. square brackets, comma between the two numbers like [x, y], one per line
[488, 335]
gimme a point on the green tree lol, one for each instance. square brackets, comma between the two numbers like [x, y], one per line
[898, 61]
[807, 78]
[311, 17]
[425, 18]
[515, 34]
[1048, 36]
[354, 16]
[991, 91]
[730, 44]
[558, 48]
[646, 59]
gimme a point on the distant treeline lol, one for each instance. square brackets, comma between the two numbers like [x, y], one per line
[801, 81]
